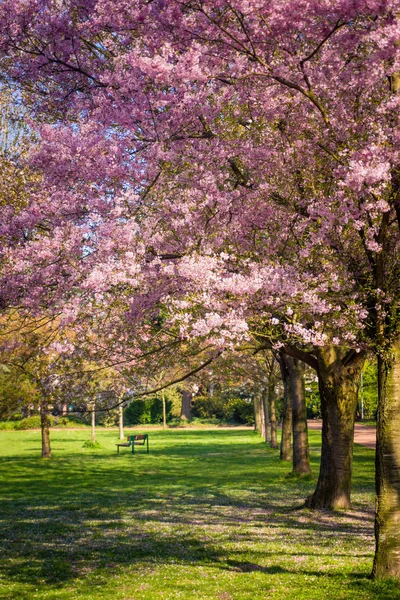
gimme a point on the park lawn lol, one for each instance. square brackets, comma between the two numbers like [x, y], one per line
[208, 514]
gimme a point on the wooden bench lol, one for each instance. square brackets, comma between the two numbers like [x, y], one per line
[135, 440]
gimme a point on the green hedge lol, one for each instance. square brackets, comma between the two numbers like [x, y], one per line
[33, 422]
[144, 411]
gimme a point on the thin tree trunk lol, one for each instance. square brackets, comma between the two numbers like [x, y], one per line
[186, 411]
[286, 439]
[339, 381]
[45, 427]
[262, 416]
[387, 517]
[121, 422]
[93, 432]
[267, 424]
[301, 453]
[257, 411]
[164, 410]
[272, 404]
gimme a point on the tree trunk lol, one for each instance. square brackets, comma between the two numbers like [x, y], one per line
[257, 411]
[301, 453]
[121, 422]
[186, 411]
[164, 410]
[45, 427]
[387, 517]
[339, 380]
[93, 432]
[267, 424]
[272, 404]
[286, 439]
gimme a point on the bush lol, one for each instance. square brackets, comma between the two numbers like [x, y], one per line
[32, 422]
[68, 422]
[210, 407]
[107, 418]
[91, 445]
[240, 411]
[137, 413]
[8, 425]
[149, 410]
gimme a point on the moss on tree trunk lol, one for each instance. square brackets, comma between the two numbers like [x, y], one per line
[387, 517]
[339, 380]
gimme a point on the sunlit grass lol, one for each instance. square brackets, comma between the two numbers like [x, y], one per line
[206, 515]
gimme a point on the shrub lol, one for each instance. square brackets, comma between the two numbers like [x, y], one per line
[32, 422]
[68, 422]
[240, 411]
[107, 418]
[8, 425]
[210, 407]
[91, 445]
[137, 413]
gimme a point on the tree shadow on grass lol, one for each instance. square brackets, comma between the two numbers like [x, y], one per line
[76, 515]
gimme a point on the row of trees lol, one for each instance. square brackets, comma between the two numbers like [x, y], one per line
[212, 179]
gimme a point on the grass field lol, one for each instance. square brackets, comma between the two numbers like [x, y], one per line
[207, 514]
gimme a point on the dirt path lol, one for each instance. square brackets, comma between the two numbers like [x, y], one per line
[363, 434]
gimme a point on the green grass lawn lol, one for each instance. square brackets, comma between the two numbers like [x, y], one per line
[206, 515]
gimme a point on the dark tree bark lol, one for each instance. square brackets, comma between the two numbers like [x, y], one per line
[267, 424]
[45, 427]
[339, 380]
[387, 517]
[186, 410]
[272, 405]
[286, 439]
[301, 453]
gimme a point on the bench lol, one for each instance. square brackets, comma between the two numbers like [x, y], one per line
[135, 440]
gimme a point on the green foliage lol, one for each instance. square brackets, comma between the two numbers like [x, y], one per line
[91, 445]
[69, 421]
[210, 407]
[174, 397]
[240, 411]
[32, 422]
[107, 418]
[233, 405]
[313, 400]
[16, 391]
[8, 425]
[369, 390]
[156, 410]
[137, 413]
[149, 410]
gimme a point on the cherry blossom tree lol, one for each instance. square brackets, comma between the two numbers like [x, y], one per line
[239, 162]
